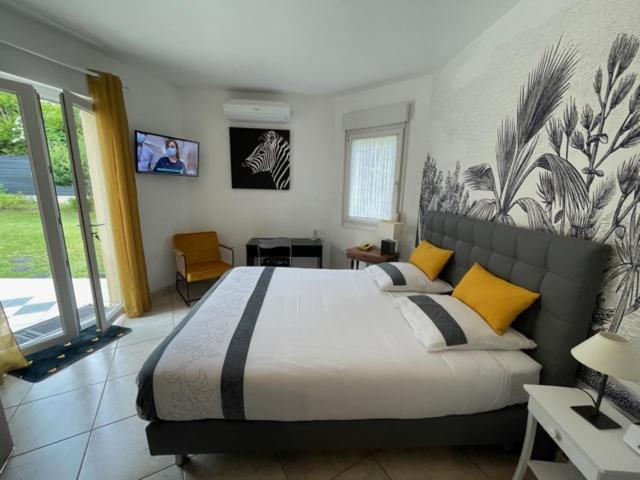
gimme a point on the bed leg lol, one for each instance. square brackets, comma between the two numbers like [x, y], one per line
[181, 460]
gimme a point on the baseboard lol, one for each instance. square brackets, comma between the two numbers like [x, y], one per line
[161, 292]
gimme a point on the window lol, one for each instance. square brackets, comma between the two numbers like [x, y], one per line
[373, 166]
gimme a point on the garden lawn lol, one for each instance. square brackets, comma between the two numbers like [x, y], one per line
[21, 237]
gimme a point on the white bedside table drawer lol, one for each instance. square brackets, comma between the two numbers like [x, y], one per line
[554, 470]
[564, 441]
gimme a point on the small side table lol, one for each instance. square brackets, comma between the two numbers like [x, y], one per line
[594, 454]
[369, 257]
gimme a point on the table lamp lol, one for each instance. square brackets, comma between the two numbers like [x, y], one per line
[611, 355]
[389, 231]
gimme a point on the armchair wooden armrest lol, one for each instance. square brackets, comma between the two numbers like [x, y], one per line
[181, 261]
[233, 262]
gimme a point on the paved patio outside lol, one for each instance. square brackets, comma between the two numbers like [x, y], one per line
[30, 301]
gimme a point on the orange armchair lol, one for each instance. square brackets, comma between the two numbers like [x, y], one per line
[197, 259]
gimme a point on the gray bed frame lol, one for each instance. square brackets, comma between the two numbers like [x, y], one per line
[566, 271]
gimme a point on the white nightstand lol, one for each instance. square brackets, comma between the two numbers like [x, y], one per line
[594, 454]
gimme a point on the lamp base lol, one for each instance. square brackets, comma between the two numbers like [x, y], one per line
[595, 417]
[388, 247]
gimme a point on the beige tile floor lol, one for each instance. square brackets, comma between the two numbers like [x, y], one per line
[81, 424]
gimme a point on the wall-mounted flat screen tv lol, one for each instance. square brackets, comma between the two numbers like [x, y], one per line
[166, 155]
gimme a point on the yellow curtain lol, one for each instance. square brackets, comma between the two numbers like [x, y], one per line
[120, 187]
[11, 357]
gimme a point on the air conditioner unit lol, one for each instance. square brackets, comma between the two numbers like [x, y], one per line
[257, 111]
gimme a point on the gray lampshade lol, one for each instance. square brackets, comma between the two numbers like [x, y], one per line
[611, 355]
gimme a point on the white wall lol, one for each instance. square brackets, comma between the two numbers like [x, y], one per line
[237, 215]
[151, 105]
[417, 91]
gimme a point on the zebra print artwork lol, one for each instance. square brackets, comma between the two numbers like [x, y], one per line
[260, 158]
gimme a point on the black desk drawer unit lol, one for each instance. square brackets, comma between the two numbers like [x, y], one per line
[301, 247]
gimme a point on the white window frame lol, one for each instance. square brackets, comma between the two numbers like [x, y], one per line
[383, 131]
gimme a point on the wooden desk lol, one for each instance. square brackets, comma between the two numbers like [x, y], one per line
[300, 247]
[371, 257]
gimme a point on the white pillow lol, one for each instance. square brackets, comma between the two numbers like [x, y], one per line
[405, 277]
[442, 322]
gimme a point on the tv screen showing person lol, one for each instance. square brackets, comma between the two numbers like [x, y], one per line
[166, 155]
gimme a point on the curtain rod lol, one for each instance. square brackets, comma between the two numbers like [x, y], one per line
[53, 60]
[86, 71]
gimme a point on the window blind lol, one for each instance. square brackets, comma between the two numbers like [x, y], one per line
[372, 177]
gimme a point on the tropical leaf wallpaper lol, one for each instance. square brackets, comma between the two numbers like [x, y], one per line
[567, 164]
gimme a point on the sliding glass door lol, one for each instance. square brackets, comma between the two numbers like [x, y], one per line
[56, 269]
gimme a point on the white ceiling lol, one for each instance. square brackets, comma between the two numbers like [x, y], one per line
[305, 46]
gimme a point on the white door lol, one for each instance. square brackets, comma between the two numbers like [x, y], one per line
[35, 281]
[82, 140]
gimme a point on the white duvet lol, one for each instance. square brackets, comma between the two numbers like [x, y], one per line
[327, 345]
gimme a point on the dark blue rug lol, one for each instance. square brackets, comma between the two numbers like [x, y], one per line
[53, 359]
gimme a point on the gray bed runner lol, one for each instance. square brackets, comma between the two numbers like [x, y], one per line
[232, 380]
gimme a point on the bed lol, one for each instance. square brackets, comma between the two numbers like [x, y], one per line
[298, 359]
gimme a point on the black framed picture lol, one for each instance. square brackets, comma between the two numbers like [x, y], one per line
[260, 158]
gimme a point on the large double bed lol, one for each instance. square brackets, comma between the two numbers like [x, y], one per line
[295, 359]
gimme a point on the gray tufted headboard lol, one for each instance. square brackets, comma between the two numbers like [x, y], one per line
[567, 272]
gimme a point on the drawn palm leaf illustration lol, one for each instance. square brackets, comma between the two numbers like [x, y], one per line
[597, 138]
[440, 193]
[585, 221]
[625, 270]
[517, 140]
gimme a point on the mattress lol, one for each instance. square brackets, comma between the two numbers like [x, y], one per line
[292, 344]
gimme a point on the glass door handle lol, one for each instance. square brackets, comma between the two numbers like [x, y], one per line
[94, 233]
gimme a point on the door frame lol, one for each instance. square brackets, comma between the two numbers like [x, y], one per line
[42, 174]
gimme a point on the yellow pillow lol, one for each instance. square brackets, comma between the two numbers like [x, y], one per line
[430, 259]
[496, 300]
